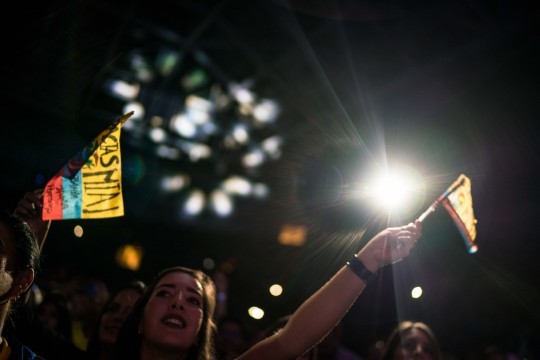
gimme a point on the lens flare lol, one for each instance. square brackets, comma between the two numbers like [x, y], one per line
[396, 191]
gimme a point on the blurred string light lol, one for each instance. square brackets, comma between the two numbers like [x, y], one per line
[185, 111]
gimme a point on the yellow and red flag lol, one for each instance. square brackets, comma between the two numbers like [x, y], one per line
[89, 186]
[457, 200]
[459, 205]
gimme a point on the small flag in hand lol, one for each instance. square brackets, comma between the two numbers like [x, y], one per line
[89, 186]
[459, 205]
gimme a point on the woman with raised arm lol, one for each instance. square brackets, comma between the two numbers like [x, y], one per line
[174, 318]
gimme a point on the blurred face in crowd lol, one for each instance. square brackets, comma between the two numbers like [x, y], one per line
[87, 299]
[49, 315]
[230, 341]
[415, 344]
[115, 314]
[173, 315]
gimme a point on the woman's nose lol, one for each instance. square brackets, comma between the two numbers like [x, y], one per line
[177, 302]
[418, 349]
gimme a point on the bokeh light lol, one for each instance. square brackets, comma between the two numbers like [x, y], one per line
[276, 290]
[129, 257]
[209, 263]
[416, 292]
[78, 231]
[256, 313]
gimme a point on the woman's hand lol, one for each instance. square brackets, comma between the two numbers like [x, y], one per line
[390, 246]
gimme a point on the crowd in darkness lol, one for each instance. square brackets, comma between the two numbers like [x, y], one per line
[179, 314]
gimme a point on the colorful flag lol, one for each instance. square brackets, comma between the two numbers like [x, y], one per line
[89, 186]
[459, 205]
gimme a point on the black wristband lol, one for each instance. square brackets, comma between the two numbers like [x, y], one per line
[360, 270]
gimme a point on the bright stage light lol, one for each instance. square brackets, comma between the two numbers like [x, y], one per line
[395, 190]
[392, 190]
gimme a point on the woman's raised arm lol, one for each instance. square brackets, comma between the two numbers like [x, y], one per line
[323, 310]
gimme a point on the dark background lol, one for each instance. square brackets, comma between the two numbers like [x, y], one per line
[447, 87]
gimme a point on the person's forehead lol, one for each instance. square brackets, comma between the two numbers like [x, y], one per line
[418, 335]
[181, 279]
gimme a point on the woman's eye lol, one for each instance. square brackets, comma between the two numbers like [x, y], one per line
[409, 345]
[162, 293]
[194, 301]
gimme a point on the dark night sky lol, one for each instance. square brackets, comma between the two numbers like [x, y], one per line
[447, 87]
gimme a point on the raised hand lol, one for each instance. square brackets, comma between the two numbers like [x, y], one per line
[390, 246]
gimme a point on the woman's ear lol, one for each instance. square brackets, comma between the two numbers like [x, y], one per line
[21, 282]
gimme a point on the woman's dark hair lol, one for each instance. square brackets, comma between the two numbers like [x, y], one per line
[403, 328]
[94, 343]
[24, 243]
[128, 345]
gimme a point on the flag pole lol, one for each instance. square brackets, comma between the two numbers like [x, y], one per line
[431, 209]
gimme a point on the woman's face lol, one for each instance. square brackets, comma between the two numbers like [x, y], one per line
[173, 315]
[115, 314]
[415, 344]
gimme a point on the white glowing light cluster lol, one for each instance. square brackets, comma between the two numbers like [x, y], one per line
[182, 114]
